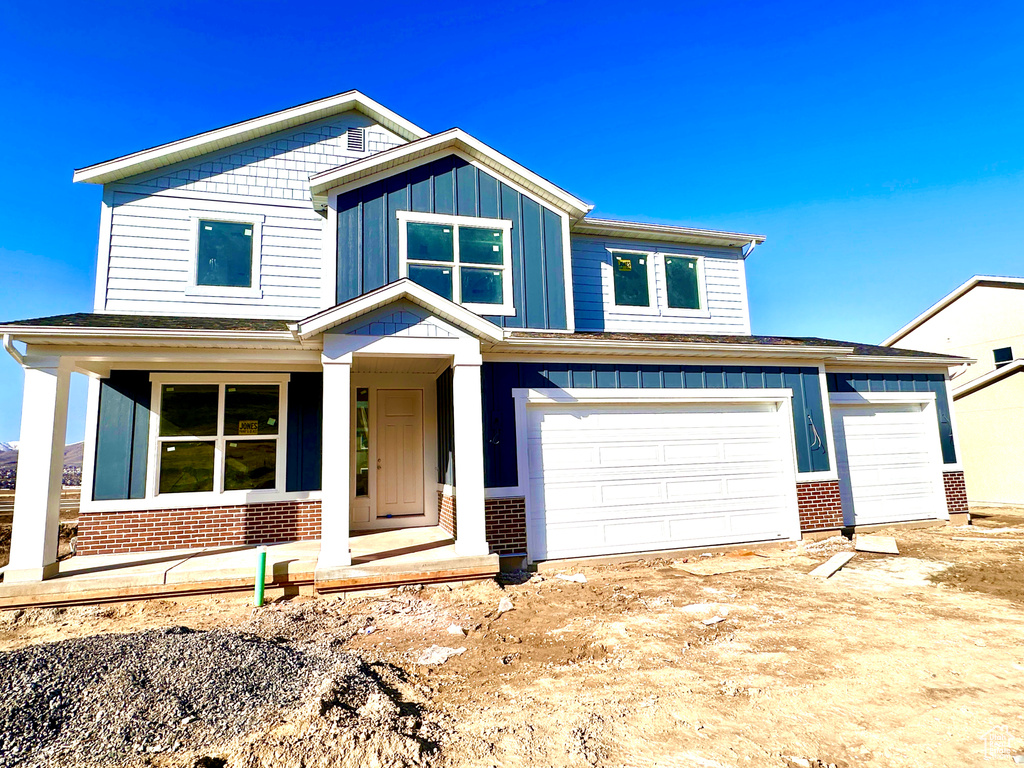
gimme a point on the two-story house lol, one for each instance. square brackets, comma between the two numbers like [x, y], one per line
[983, 320]
[327, 321]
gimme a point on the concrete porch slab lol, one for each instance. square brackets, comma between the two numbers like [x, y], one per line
[380, 559]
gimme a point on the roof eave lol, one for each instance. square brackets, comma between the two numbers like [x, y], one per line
[714, 349]
[665, 233]
[991, 377]
[246, 130]
[48, 334]
[322, 183]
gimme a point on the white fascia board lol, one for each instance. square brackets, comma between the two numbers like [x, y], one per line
[323, 183]
[683, 349]
[126, 336]
[401, 289]
[941, 304]
[665, 233]
[938, 361]
[989, 378]
[247, 130]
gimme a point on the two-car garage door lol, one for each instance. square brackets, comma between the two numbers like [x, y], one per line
[609, 478]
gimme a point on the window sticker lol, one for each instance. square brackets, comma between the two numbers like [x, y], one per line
[248, 427]
[233, 445]
[625, 265]
[271, 421]
[170, 448]
[248, 233]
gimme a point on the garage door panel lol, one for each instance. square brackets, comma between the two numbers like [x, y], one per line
[607, 479]
[888, 461]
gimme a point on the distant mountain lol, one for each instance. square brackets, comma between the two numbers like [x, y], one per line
[72, 455]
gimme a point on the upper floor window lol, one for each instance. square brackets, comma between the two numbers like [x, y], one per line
[1002, 356]
[658, 283]
[227, 254]
[465, 259]
[631, 278]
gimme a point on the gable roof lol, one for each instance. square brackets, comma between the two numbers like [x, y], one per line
[1000, 373]
[454, 139]
[974, 282]
[237, 133]
[390, 293]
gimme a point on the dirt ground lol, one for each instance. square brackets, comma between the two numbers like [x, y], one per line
[904, 660]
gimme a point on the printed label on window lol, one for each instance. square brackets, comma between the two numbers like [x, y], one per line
[233, 445]
[248, 233]
[248, 427]
[170, 448]
[207, 227]
[271, 422]
[625, 265]
[495, 248]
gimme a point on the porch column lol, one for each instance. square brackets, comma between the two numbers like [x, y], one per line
[469, 456]
[44, 419]
[336, 453]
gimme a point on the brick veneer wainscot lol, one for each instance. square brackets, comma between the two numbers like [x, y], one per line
[505, 521]
[447, 517]
[956, 492]
[106, 533]
[819, 504]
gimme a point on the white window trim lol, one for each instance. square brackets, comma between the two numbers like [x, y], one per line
[702, 288]
[254, 291]
[652, 307]
[218, 496]
[507, 307]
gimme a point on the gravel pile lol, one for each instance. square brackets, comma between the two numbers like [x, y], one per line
[118, 698]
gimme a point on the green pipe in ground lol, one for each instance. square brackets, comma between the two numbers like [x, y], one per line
[261, 575]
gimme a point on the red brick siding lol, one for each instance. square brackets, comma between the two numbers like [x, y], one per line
[956, 492]
[819, 504]
[103, 533]
[505, 522]
[446, 515]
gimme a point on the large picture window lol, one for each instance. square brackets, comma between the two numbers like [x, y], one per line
[214, 437]
[464, 259]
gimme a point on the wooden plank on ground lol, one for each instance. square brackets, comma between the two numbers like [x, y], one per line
[885, 545]
[832, 565]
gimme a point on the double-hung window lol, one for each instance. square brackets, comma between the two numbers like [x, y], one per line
[226, 249]
[219, 436]
[465, 259]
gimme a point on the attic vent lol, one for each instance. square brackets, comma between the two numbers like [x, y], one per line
[356, 140]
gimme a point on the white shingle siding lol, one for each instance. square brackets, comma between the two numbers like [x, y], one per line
[150, 257]
[594, 297]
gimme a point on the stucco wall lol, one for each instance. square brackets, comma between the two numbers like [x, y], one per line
[991, 426]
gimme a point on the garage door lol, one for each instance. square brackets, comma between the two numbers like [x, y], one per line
[889, 463]
[608, 478]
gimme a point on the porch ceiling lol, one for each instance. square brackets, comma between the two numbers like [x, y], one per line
[394, 364]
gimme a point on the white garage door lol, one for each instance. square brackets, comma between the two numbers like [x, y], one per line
[890, 467]
[609, 478]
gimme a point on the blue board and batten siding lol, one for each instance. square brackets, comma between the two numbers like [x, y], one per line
[368, 235]
[903, 382]
[499, 379]
[122, 434]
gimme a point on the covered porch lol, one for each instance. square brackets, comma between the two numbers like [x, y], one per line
[204, 441]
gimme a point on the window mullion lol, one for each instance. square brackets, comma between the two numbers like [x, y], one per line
[456, 268]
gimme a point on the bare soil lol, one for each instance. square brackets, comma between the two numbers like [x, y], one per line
[904, 660]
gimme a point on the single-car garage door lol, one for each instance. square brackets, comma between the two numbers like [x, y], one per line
[615, 478]
[889, 462]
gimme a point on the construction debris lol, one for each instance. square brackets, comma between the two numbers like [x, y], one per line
[833, 564]
[713, 620]
[437, 654]
[505, 605]
[579, 578]
[455, 629]
[885, 545]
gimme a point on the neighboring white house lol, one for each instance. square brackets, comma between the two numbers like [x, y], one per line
[328, 320]
[983, 320]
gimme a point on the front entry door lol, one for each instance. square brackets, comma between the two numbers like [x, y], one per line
[400, 452]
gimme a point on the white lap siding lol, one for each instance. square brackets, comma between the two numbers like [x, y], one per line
[148, 251]
[594, 294]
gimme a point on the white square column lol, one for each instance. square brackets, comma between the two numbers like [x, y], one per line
[469, 456]
[44, 419]
[335, 463]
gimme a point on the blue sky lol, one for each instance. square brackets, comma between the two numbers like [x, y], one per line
[877, 145]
